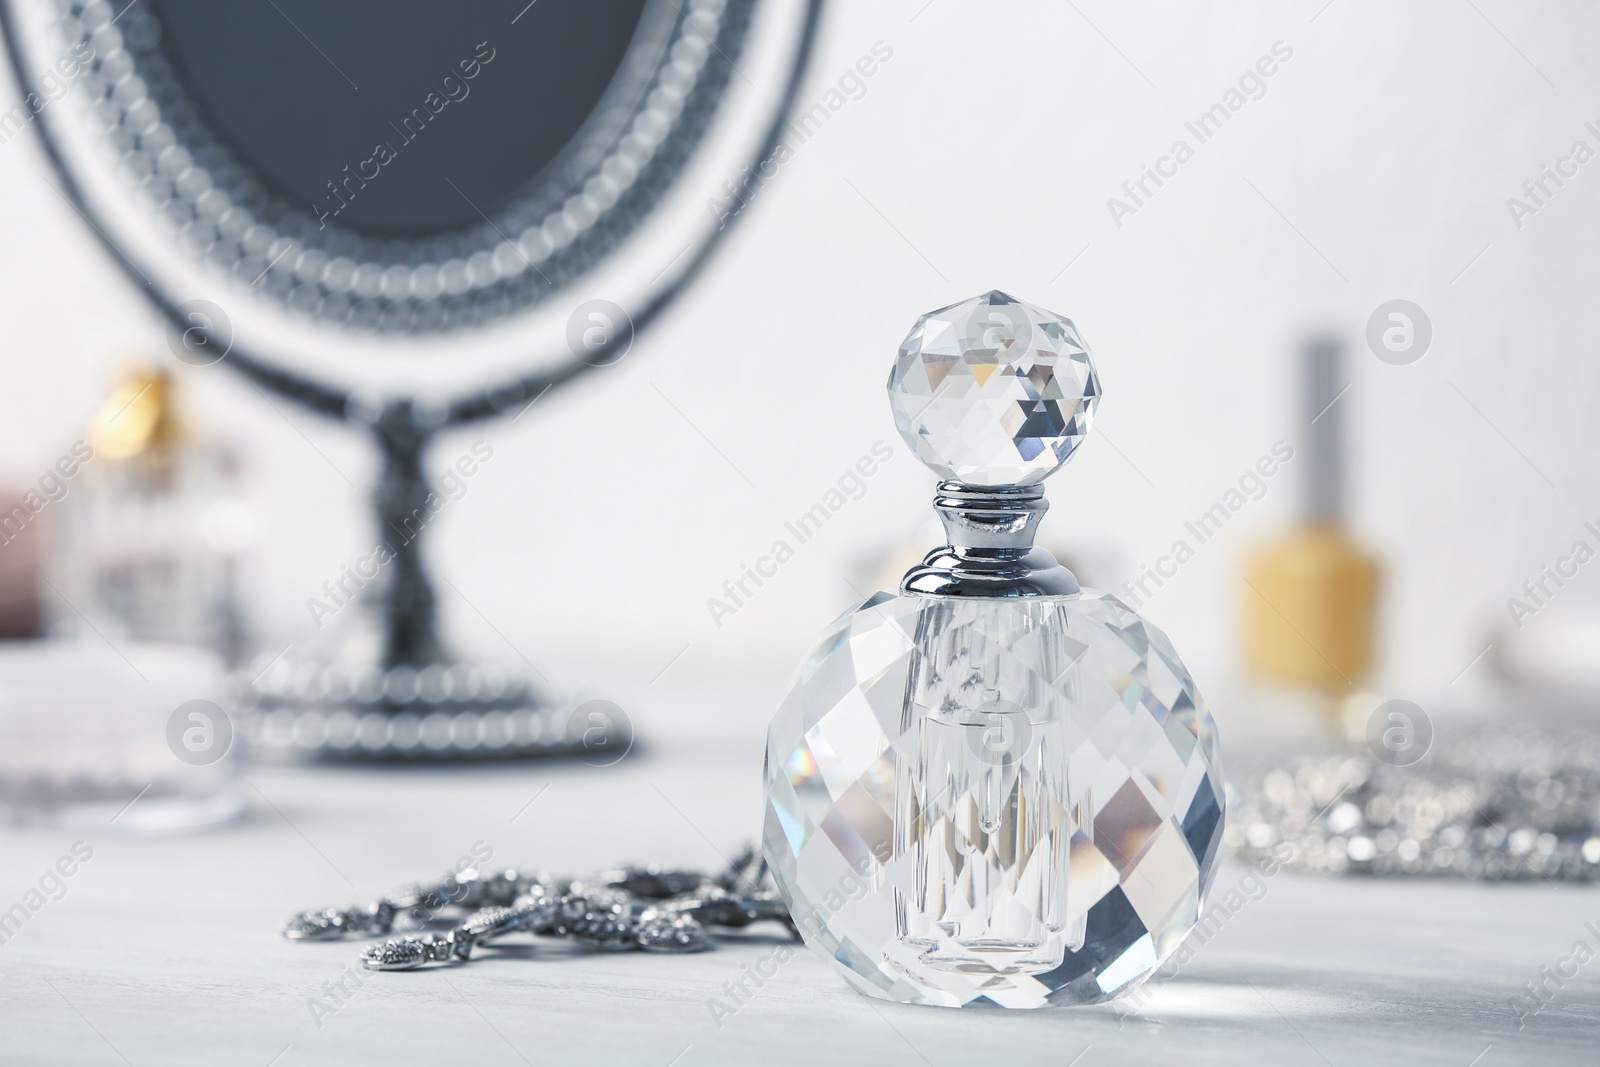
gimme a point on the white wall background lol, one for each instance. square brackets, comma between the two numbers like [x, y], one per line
[982, 156]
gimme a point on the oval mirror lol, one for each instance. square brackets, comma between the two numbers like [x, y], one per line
[409, 216]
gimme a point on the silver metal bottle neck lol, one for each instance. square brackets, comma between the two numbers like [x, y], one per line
[990, 553]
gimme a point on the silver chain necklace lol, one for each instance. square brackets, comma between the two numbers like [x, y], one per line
[645, 907]
[1500, 804]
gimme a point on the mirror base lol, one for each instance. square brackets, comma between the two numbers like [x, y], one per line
[304, 710]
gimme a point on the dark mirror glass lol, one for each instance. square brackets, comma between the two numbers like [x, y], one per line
[399, 116]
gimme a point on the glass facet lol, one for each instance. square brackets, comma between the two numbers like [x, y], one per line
[993, 391]
[1013, 800]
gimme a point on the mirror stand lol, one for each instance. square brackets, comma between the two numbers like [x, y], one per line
[413, 700]
[409, 636]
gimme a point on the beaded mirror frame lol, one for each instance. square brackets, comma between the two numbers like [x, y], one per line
[555, 230]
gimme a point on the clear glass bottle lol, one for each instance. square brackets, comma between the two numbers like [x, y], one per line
[993, 785]
[124, 720]
[151, 539]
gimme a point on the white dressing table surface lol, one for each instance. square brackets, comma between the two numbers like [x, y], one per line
[165, 950]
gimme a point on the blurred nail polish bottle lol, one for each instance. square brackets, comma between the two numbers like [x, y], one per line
[1310, 594]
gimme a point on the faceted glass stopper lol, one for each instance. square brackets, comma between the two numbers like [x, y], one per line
[993, 391]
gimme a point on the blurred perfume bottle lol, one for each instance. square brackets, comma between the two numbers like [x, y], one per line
[151, 536]
[1310, 593]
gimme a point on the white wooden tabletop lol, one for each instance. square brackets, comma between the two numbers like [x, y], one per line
[165, 950]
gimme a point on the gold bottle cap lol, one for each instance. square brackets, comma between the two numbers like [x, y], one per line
[140, 415]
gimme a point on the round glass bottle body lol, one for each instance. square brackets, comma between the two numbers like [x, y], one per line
[1012, 800]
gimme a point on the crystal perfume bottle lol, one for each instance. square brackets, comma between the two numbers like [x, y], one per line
[993, 785]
